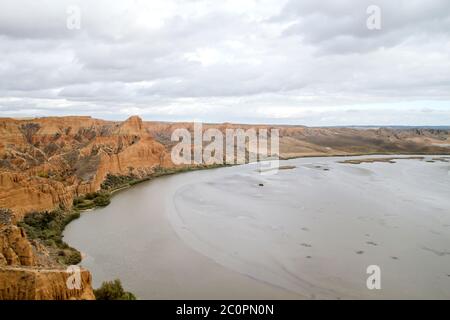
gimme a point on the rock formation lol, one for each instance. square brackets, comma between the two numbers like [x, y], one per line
[22, 271]
[20, 283]
[46, 162]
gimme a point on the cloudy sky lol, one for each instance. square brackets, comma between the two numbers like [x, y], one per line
[294, 61]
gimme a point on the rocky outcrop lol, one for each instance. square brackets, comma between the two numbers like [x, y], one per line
[22, 275]
[15, 249]
[22, 283]
[23, 193]
[46, 162]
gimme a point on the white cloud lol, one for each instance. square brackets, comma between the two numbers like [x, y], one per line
[305, 62]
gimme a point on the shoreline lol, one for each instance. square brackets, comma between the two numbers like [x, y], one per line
[75, 213]
[190, 169]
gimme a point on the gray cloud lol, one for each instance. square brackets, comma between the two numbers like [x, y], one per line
[303, 62]
[339, 26]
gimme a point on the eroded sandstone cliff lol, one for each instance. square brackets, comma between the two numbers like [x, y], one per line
[25, 283]
[27, 272]
[46, 162]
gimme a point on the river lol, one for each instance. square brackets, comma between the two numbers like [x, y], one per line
[309, 231]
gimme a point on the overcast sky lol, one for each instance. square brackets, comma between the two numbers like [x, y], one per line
[268, 61]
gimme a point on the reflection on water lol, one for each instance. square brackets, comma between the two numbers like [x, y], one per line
[309, 231]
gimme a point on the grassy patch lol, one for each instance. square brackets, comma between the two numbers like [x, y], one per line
[48, 227]
[42, 174]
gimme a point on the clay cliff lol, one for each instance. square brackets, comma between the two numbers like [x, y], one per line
[27, 272]
[46, 162]
[18, 283]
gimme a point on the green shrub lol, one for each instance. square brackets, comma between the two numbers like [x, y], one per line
[70, 257]
[113, 182]
[113, 290]
[42, 174]
[102, 200]
[92, 200]
[48, 227]
[85, 204]
[91, 195]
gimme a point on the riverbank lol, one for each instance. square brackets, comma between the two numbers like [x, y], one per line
[162, 258]
[45, 229]
[48, 227]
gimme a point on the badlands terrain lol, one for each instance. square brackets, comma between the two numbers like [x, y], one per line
[51, 168]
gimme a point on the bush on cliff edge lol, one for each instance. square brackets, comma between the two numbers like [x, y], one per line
[113, 290]
[48, 227]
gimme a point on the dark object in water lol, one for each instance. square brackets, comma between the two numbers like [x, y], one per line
[306, 245]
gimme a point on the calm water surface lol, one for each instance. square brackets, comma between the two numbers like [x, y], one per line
[307, 232]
